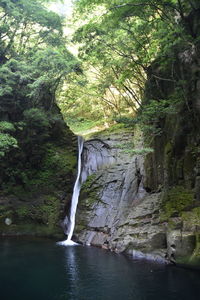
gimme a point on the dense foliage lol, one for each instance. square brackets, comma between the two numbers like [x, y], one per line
[134, 57]
[122, 44]
[34, 61]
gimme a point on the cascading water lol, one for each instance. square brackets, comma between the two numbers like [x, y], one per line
[95, 155]
[75, 197]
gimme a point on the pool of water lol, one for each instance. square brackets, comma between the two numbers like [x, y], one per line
[42, 270]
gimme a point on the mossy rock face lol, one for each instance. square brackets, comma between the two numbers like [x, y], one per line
[45, 213]
[189, 166]
[5, 212]
[31, 229]
[28, 218]
[183, 226]
[40, 203]
[184, 247]
[88, 198]
[89, 192]
[168, 167]
[175, 201]
[196, 254]
[80, 227]
[191, 219]
[87, 185]
[57, 168]
[168, 148]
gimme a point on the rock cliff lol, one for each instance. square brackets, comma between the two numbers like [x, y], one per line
[143, 202]
[119, 210]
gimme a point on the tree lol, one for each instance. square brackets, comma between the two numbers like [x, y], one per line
[34, 62]
[120, 42]
[7, 141]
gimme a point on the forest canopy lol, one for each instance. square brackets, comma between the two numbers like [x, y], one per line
[131, 67]
[34, 62]
[122, 44]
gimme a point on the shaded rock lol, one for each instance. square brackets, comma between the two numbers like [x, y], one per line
[116, 211]
[38, 207]
[180, 245]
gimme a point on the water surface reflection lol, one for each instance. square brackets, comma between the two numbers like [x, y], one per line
[42, 270]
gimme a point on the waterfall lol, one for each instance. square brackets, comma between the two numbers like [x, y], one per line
[96, 154]
[75, 197]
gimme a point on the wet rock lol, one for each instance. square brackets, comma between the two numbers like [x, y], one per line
[180, 245]
[122, 214]
[122, 210]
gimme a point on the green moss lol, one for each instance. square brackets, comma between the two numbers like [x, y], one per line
[125, 146]
[22, 212]
[175, 201]
[46, 213]
[31, 229]
[50, 211]
[187, 261]
[80, 227]
[86, 186]
[169, 162]
[194, 259]
[113, 129]
[5, 212]
[189, 164]
[58, 164]
[141, 151]
[192, 218]
[88, 199]
[81, 126]
[89, 192]
[116, 128]
[196, 254]
[91, 199]
[41, 219]
[20, 192]
[39, 198]
[168, 148]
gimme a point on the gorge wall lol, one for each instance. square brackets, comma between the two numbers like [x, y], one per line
[147, 204]
[119, 210]
[36, 194]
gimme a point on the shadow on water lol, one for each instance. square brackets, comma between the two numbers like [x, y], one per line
[40, 269]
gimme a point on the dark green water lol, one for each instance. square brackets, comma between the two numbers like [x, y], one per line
[42, 270]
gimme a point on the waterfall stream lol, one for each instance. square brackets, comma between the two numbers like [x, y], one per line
[75, 197]
[96, 155]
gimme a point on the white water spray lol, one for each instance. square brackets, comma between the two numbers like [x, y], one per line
[75, 197]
